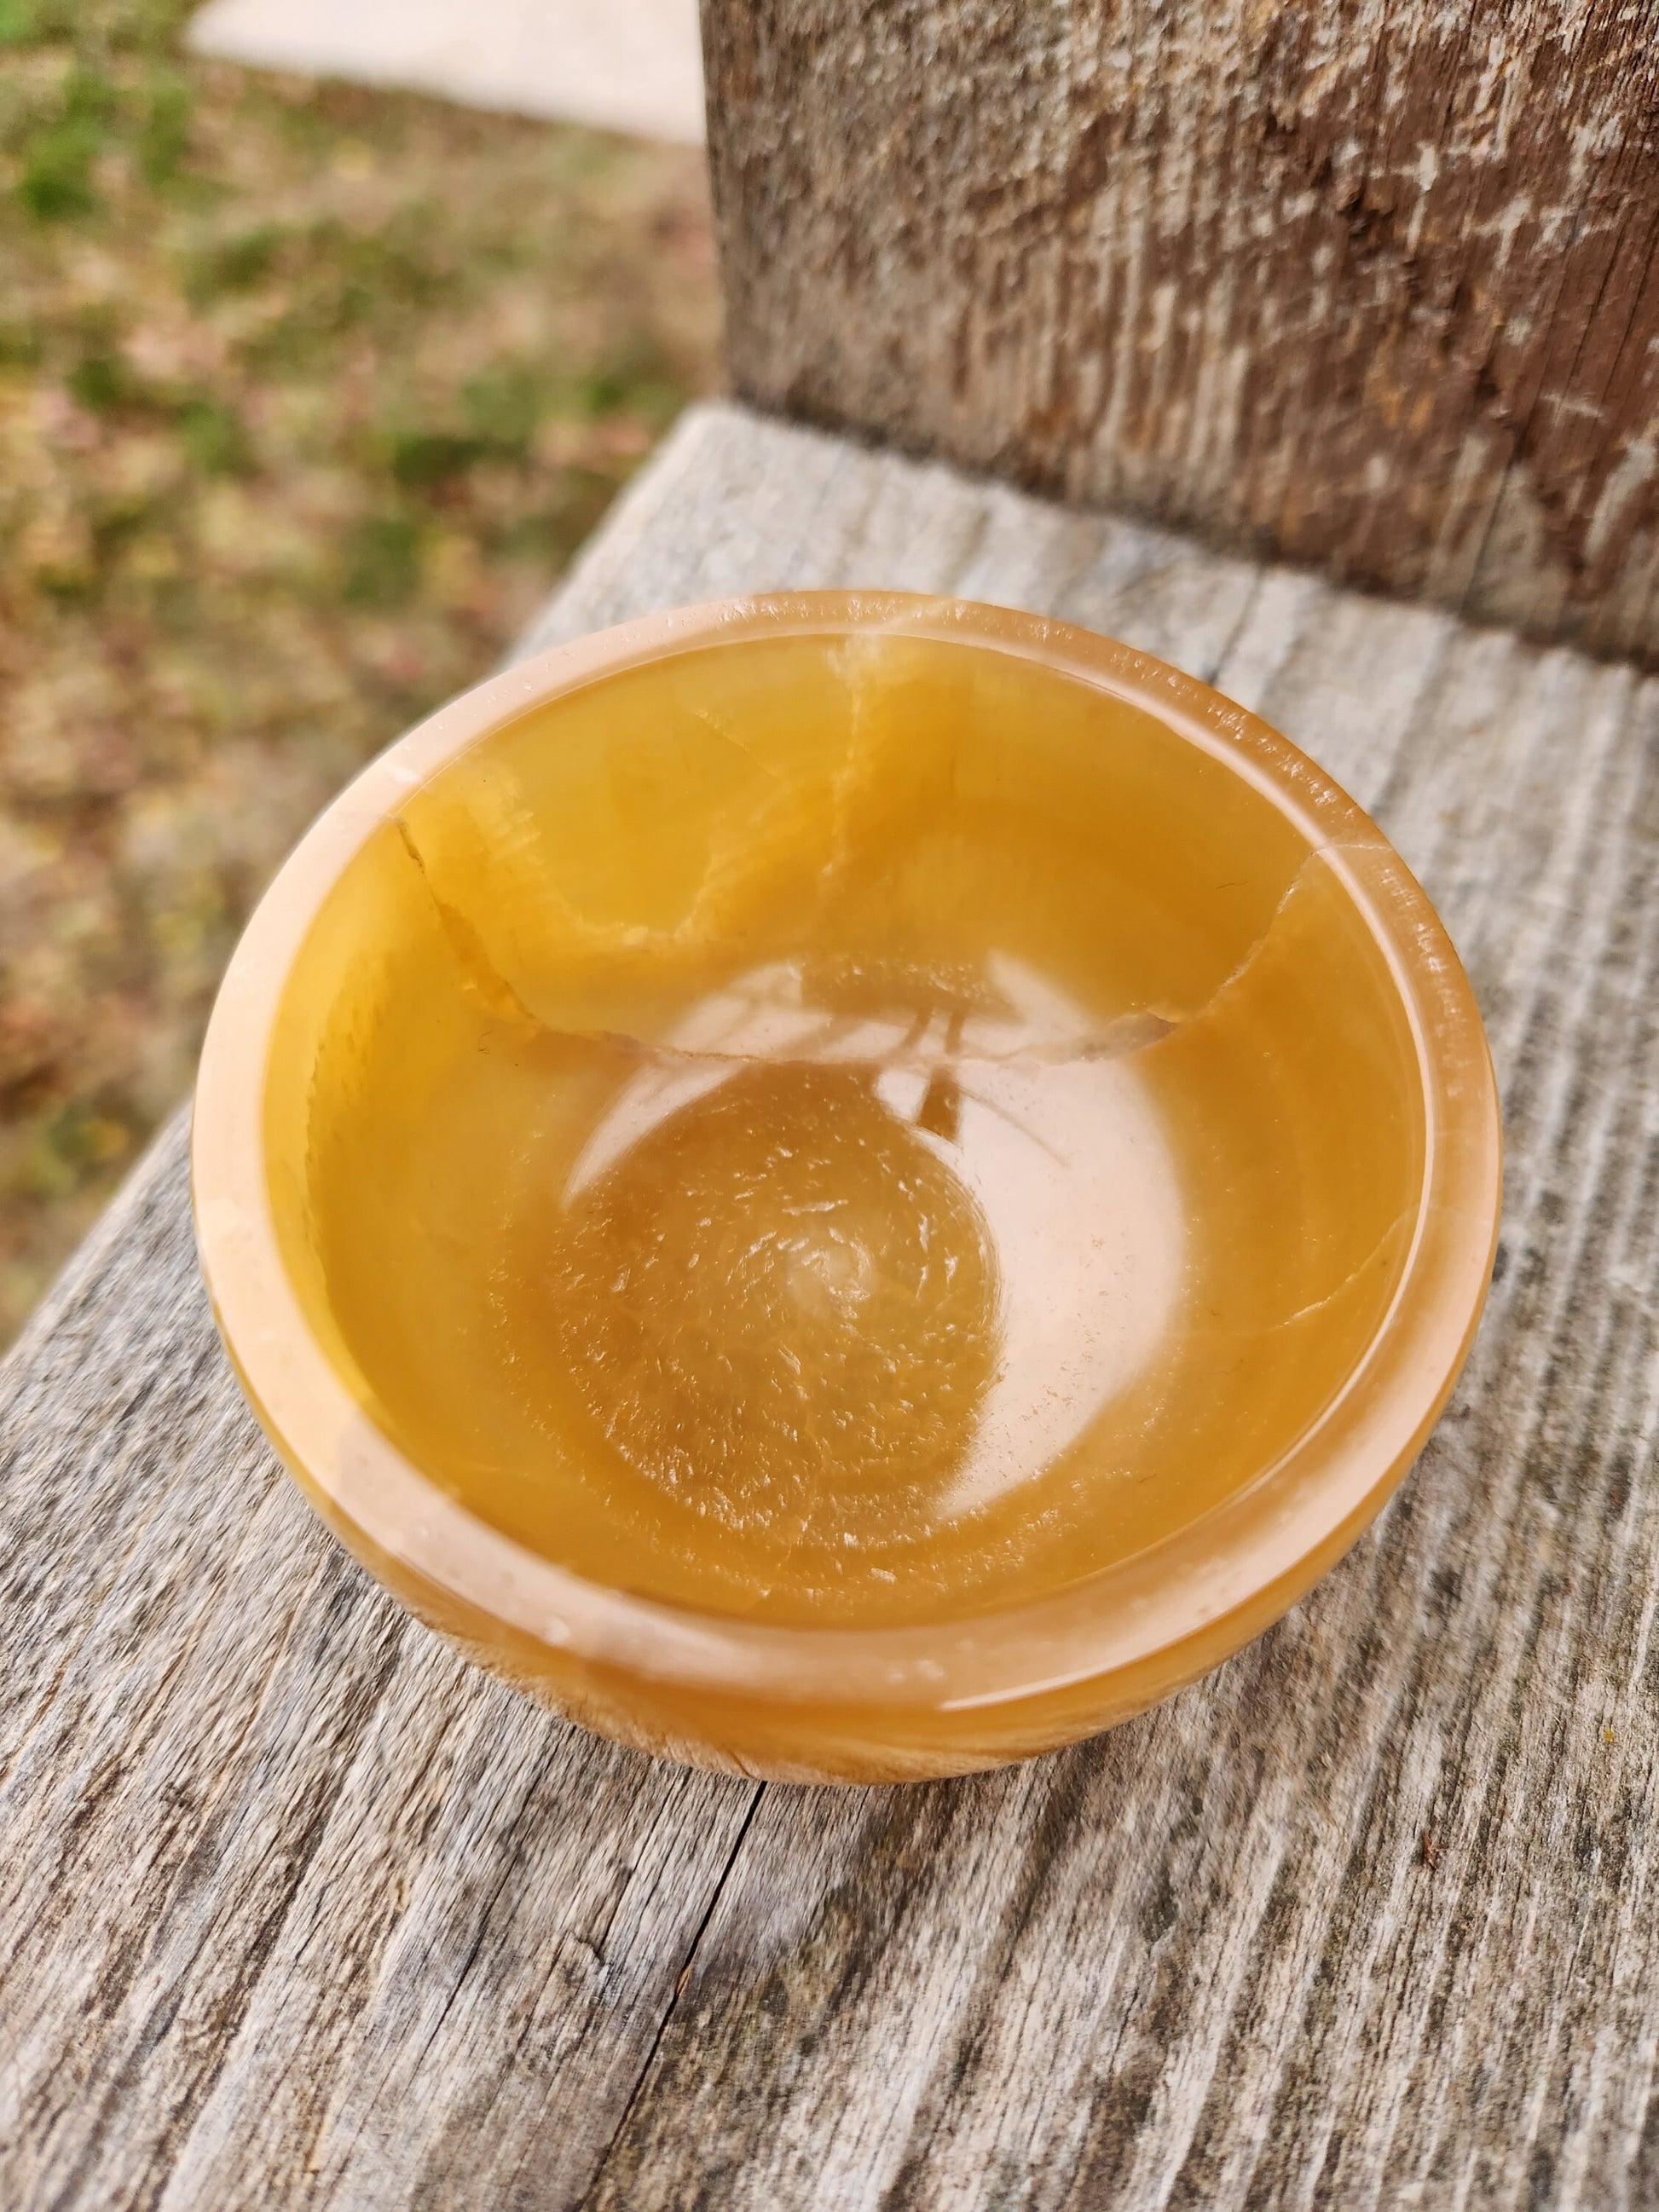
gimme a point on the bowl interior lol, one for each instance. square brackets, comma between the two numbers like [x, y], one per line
[853, 1128]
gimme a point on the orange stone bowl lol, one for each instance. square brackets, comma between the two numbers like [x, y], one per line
[845, 1185]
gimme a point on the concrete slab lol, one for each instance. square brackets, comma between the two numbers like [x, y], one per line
[631, 65]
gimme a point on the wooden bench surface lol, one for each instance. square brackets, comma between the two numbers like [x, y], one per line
[296, 1909]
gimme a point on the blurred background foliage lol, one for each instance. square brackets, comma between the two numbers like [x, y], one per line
[308, 394]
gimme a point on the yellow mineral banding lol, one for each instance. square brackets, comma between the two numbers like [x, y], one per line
[859, 1134]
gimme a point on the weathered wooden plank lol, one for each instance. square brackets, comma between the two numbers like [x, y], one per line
[297, 1911]
[1372, 284]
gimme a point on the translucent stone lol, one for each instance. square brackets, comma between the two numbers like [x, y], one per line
[850, 1130]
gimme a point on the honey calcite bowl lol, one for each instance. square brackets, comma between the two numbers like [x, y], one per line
[845, 1185]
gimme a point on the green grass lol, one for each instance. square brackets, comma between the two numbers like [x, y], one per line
[307, 396]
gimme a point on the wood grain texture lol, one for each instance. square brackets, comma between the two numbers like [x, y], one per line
[296, 1911]
[1372, 285]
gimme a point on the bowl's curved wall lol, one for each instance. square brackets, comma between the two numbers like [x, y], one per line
[1184, 1090]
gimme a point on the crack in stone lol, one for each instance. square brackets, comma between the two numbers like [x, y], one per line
[1407, 1216]
[928, 1019]
[1122, 1038]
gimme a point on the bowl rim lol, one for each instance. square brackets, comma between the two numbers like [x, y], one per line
[1264, 1543]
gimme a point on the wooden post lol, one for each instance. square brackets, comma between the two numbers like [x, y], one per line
[1370, 284]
